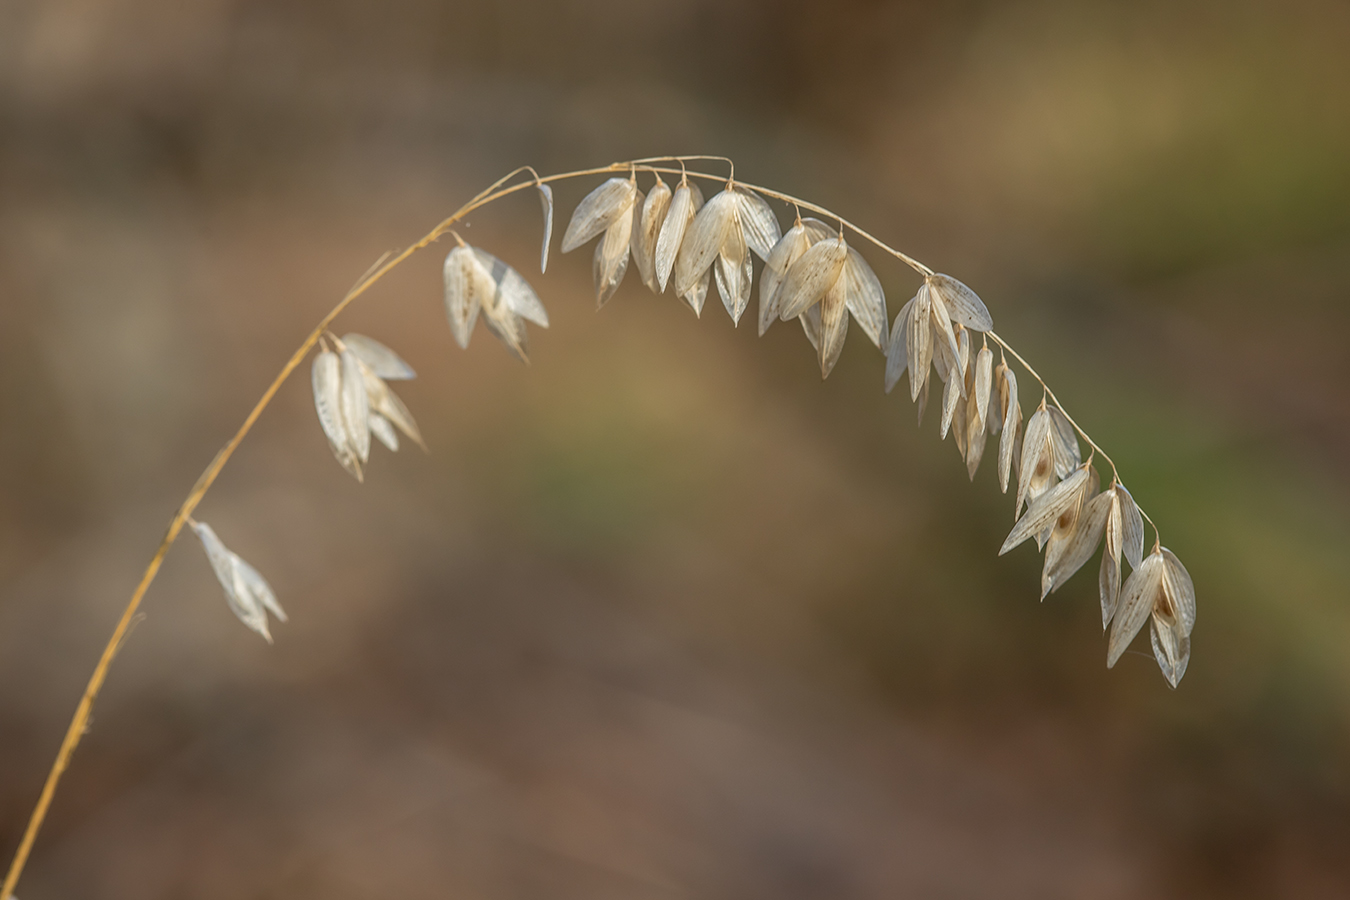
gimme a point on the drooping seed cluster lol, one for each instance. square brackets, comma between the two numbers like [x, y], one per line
[810, 273]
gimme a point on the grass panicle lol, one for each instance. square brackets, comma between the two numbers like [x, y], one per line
[813, 273]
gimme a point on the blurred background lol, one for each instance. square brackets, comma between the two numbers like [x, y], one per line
[662, 615]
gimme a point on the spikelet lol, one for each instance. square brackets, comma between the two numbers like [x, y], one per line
[385, 410]
[961, 304]
[730, 226]
[326, 380]
[1124, 533]
[611, 209]
[1009, 448]
[476, 281]
[546, 203]
[248, 594]
[647, 230]
[1159, 589]
[685, 203]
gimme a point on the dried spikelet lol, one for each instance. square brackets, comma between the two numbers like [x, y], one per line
[382, 431]
[734, 271]
[1074, 538]
[1137, 599]
[354, 406]
[979, 378]
[599, 210]
[703, 240]
[685, 203]
[248, 594]
[1009, 448]
[961, 427]
[951, 394]
[611, 208]
[919, 340]
[1124, 532]
[1045, 509]
[814, 273]
[790, 248]
[963, 356]
[695, 297]
[610, 261]
[467, 286]
[1132, 527]
[962, 304]
[865, 299]
[326, 379]
[648, 230]
[731, 224]
[1172, 620]
[546, 203]
[897, 351]
[758, 222]
[943, 330]
[805, 270]
[1064, 443]
[380, 359]
[386, 406]
[833, 326]
[984, 380]
[1038, 461]
[475, 281]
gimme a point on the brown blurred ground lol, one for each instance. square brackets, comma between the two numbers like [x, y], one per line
[662, 615]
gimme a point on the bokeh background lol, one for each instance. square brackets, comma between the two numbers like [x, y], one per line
[662, 615]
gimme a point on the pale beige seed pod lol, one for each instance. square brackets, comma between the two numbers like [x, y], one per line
[383, 432]
[476, 281]
[734, 270]
[942, 328]
[612, 252]
[833, 326]
[732, 224]
[865, 298]
[247, 593]
[326, 380]
[1124, 533]
[386, 406]
[977, 417]
[984, 381]
[1008, 445]
[1064, 443]
[790, 247]
[758, 223]
[897, 351]
[546, 204]
[1045, 509]
[919, 340]
[951, 394]
[1160, 589]
[467, 286]
[1074, 538]
[598, 210]
[703, 240]
[962, 304]
[378, 358]
[354, 406]
[647, 231]
[814, 273]
[685, 203]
